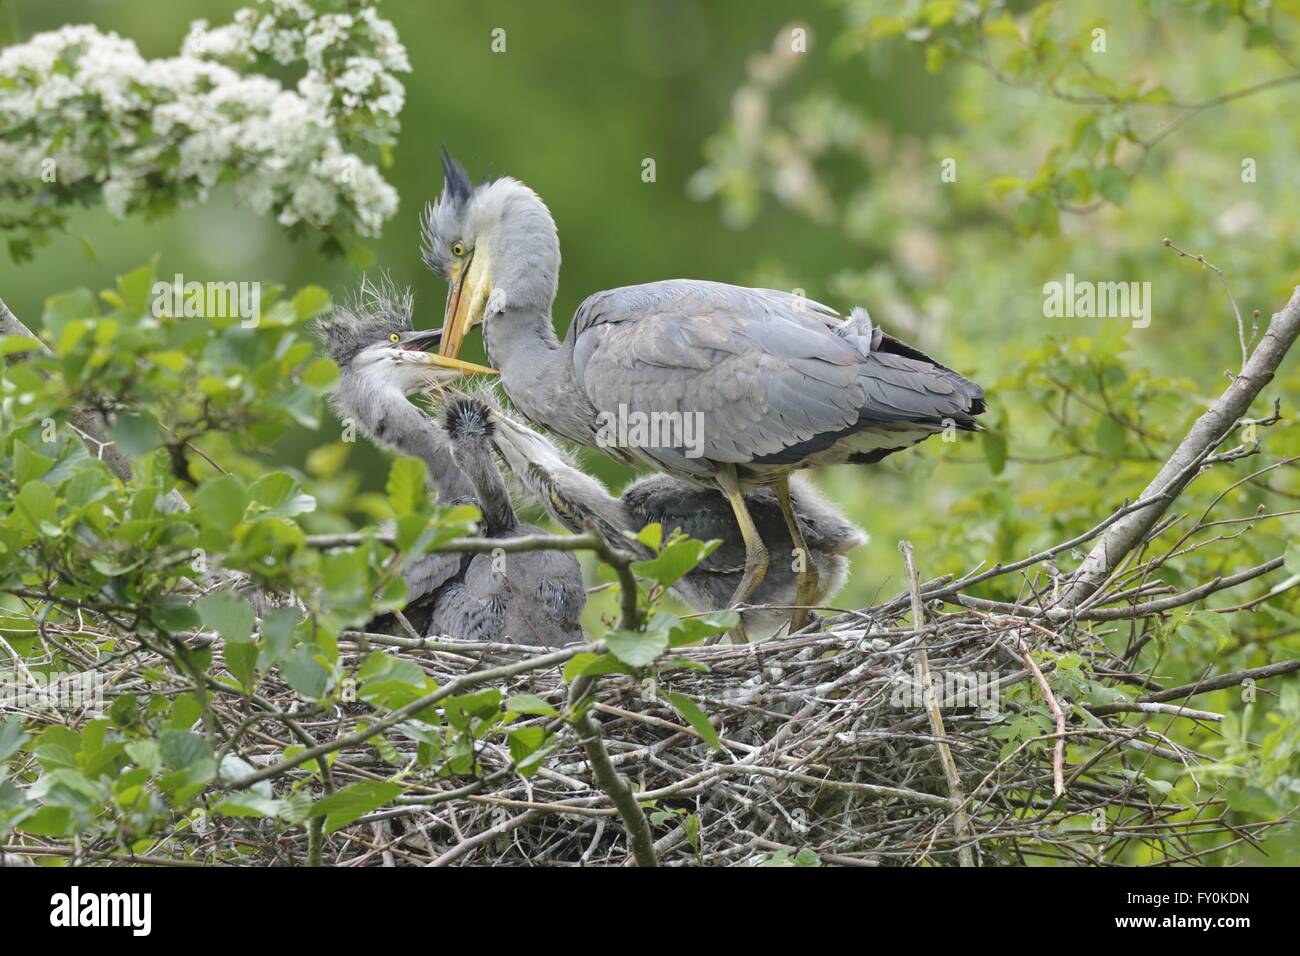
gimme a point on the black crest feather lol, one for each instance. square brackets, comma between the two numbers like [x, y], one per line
[457, 186]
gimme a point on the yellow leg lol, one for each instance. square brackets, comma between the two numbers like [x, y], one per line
[807, 583]
[755, 550]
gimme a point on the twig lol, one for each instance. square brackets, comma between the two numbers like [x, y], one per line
[960, 822]
[1241, 326]
[1058, 751]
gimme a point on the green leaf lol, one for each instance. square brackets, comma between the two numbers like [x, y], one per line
[136, 287]
[17, 345]
[693, 629]
[321, 373]
[12, 736]
[676, 560]
[995, 451]
[578, 663]
[173, 360]
[57, 746]
[881, 28]
[137, 435]
[220, 502]
[531, 704]
[145, 754]
[1111, 437]
[182, 749]
[1259, 34]
[406, 485]
[652, 536]
[174, 613]
[694, 716]
[68, 307]
[1113, 184]
[250, 805]
[277, 632]
[35, 505]
[637, 648]
[28, 466]
[526, 749]
[310, 300]
[281, 495]
[1001, 185]
[304, 673]
[355, 801]
[241, 659]
[186, 710]
[48, 821]
[229, 614]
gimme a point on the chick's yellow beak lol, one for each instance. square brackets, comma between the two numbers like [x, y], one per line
[464, 368]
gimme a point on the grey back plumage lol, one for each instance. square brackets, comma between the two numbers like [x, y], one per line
[778, 380]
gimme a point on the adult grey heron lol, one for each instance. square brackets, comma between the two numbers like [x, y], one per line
[578, 500]
[778, 382]
[530, 597]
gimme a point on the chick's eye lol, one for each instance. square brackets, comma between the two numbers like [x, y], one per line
[458, 249]
[394, 338]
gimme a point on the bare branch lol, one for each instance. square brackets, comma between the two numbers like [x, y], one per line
[1210, 429]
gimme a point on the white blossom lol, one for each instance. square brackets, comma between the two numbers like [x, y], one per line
[107, 116]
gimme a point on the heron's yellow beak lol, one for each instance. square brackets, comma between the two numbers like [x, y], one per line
[466, 300]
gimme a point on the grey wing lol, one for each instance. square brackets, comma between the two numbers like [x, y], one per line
[429, 572]
[543, 596]
[770, 378]
[465, 613]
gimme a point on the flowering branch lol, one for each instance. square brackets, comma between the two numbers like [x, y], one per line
[84, 118]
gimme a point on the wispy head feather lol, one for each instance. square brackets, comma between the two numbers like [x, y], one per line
[467, 419]
[370, 315]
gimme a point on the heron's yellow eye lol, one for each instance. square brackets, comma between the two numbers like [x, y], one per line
[394, 338]
[458, 249]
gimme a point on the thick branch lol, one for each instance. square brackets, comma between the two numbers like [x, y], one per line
[1222, 681]
[607, 777]
[1206, 434]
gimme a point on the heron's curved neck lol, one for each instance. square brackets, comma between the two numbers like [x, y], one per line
[521, 344]
[476, 462]
[389, 419]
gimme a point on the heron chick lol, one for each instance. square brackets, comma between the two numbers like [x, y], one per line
[531, 597]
